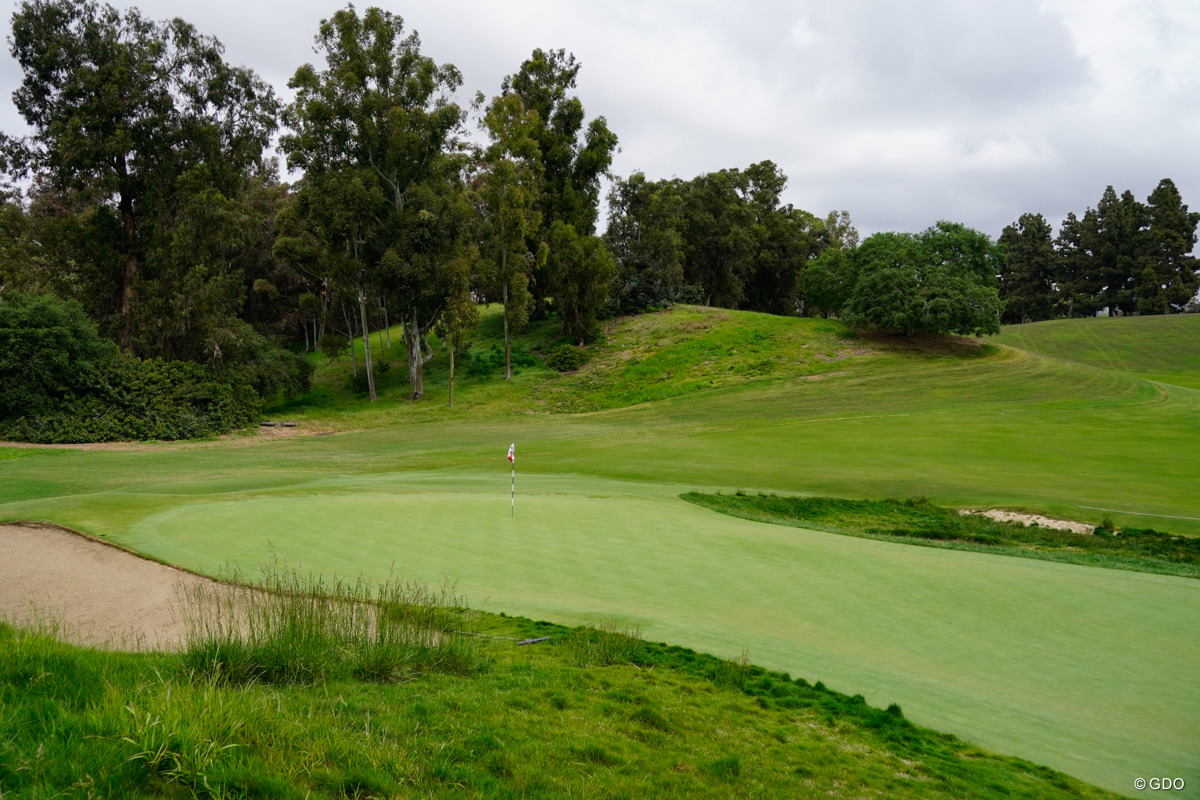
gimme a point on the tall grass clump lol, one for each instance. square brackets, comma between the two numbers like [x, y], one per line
[295, 627]
[604, 645]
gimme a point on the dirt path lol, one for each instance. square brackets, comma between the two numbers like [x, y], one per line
[97, 594]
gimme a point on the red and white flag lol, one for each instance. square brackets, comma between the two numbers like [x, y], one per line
[512, 452]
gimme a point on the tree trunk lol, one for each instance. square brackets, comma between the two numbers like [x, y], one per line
[350, 335]
[366, 336]
[452, 373]
[304, 324]
[507, 360]
[387, 326]
[416, 365]
[129, 246]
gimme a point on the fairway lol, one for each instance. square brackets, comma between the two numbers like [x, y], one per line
[1019, 656]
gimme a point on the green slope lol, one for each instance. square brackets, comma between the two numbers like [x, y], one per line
[1160, 348]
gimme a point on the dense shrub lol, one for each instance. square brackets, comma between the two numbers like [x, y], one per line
[492, 362]
[149, 399]
[49, 350]
[60, 382]
[566, 357]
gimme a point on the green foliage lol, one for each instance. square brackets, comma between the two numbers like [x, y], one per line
[581, 269]
[724, 238]
[646, 236]
[916, 520]
[492, 362]
[62, 383]
[1123, 255]
[142, 400]
[372, 132]
[49, 351]
[566, 357]
[1027, 270]
[940, 281]
[572, 159]
[146, 116]
[334, 345]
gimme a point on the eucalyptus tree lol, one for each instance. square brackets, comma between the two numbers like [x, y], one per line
[382, 107]
[461, 314]
[573, 160]
[509, 190]
[646, 237]
[135, 111]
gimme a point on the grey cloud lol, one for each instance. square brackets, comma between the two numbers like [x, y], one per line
[901, 112]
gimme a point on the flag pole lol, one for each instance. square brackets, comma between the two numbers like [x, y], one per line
[512, 457]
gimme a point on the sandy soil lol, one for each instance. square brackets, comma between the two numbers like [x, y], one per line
[1029, 519]
[96, 594]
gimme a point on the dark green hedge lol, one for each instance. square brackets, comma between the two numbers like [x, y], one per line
[60, 382]
[150, 399]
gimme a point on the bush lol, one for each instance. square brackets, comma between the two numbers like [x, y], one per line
[490, 363]
[149, 399]
[566, 357]
[61, 383]
[49, 350]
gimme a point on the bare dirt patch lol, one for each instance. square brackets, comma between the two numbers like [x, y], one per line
[96, 594]
[1030, 519]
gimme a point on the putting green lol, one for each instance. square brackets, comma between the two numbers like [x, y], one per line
[1089, 671]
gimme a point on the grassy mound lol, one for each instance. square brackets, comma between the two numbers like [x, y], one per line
[539, 721]
[641, 359]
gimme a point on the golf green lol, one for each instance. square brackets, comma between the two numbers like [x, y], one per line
[1089, 671]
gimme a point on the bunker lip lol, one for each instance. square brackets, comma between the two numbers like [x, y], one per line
[89, 591]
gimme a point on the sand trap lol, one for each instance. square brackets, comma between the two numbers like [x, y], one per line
[97, 594]
[1029, 519]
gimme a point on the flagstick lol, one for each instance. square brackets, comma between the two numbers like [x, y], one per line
[513, 512]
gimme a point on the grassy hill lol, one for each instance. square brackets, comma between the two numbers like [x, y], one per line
[1159, 348]
[1042, 660]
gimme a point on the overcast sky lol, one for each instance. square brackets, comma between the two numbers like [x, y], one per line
[902, 112]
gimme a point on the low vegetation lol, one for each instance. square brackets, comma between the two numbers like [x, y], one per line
[587, 712]
[296, 627]
[918, 521]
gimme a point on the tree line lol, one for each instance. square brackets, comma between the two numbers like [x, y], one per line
[147, 201]
[1123, 255]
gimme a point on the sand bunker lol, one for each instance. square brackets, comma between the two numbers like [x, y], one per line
[1029, 519]
[95, 593]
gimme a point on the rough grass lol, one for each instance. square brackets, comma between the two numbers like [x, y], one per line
[83, 723]
[918, 521]
[291, 626]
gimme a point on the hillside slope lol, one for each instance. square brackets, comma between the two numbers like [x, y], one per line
[1160, 348]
